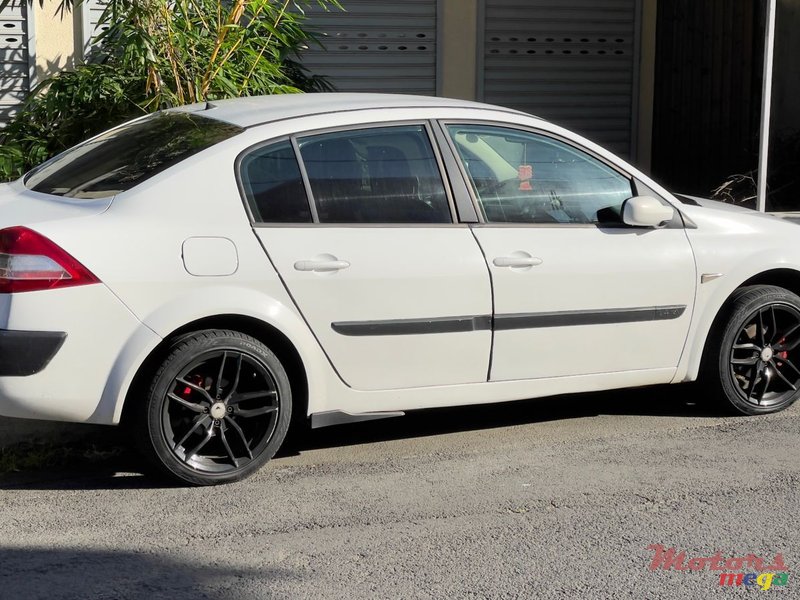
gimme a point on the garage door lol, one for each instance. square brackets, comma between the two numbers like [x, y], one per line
[15, 60]
[387, 46]
[569, 61]
[90, 12]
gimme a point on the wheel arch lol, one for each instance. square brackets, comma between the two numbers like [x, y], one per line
[268, 334]
[784, 277]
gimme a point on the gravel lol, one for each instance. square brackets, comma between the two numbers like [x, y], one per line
[553, 498]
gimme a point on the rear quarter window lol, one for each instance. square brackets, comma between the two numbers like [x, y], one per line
[123, 157]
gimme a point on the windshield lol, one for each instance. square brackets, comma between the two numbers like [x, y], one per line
[125, 156]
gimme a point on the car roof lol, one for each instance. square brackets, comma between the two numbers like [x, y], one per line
[255, 110]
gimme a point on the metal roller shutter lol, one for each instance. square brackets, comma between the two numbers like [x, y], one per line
[91, 11]
[16, 58]
[376, 46]
[570, 61]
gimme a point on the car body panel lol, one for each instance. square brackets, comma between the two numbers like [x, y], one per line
[70, 388]
[604, 275]
[738, 245]
[134, 244]
[395, 273]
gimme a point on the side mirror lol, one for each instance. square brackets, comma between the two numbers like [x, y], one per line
[646, 211]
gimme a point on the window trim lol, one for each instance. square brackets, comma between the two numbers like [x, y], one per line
[444, 123]
[426, 124]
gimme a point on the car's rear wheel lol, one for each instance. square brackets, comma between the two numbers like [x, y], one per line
[218, 408]
[757, 345]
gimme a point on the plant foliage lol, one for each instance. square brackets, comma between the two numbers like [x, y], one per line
[155, 54]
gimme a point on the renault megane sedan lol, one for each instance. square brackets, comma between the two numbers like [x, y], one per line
[209, 274]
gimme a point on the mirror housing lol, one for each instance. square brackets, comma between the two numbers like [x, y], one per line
[646, 211]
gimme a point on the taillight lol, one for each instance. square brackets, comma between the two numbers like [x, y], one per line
[29, 262]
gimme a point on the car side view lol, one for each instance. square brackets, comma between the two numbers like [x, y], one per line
[210, 275]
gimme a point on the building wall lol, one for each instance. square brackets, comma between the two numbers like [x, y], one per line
[458, 54]
[55, 47]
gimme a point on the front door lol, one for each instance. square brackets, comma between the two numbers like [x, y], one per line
[396, 292]
[576, 291]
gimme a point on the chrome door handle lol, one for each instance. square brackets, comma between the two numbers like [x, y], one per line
[321, 266]
[517, 261]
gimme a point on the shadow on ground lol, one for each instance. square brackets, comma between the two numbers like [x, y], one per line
[98, 463]
[54, 573]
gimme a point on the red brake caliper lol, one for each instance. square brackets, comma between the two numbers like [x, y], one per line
[785, 354]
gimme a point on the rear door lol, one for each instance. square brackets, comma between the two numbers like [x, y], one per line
[362, 231]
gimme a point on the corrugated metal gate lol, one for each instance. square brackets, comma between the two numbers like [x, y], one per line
[91, 11]
[16, 59]
[570, 61]
[387, 46]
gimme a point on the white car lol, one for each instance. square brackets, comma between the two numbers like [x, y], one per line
[211, 273]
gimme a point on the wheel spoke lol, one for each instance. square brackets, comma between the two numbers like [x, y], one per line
[768, 378]
[744, 361]
[773, 338]
[761, 328]
[746, 347]
[200, 420]
[237, 398]
[196, 388]
[236, 378]
[194, 406]
[786, 381]
[238, 430]
[255, 412]
[786, 361]
[209, 434]
[221, 371]
[754, 379]
[227, 446]
[786, 344]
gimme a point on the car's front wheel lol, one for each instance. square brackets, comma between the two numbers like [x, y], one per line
[218, 408]
[754, 358]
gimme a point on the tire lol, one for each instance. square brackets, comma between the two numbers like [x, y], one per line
[217, 409]
[752, 360]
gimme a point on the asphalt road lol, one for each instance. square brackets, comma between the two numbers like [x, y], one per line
[555, 498]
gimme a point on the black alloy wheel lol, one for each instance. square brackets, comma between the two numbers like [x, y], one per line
[218, 409]
[758, 360]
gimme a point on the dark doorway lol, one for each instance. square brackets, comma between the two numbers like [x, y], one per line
[707, 92]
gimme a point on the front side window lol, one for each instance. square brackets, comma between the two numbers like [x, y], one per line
[119, 159]
[522, 177]
[377, 175]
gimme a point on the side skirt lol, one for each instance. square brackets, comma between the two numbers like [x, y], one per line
[340, 417]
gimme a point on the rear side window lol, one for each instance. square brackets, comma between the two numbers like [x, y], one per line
[273, 185]
[123, 157]
[376, 175]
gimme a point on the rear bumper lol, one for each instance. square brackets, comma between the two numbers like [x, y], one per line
[25, 353]
[70, 376]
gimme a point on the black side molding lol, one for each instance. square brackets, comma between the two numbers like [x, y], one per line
[587, 317]
[414, 326]
[24, 353]
[565, 318]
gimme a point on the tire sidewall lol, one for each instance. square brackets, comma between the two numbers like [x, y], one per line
[745, 305]
[182, 354]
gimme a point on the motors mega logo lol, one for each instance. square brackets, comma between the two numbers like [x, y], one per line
[749, 571]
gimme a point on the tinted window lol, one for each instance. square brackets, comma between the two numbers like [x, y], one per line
[123, 157]
[521, 177]
[382, 175]
[273, 185]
